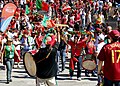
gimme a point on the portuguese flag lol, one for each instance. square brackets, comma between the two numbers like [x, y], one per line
[27, 9]
[41, 5]
[48, 23]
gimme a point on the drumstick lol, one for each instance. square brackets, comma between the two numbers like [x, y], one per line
[64, 25]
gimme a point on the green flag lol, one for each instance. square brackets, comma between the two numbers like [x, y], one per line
[27, 10]
[83, 32]
[38, 4]
[45, 20]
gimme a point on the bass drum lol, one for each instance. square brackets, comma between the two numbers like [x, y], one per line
[29, 64]
[89, 63]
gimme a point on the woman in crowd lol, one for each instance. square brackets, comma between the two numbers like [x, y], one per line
[8, 51]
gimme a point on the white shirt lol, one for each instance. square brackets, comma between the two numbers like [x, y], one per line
[102, 18]
[99, 47]
[89, 18]
[16, 43]
[10, 35]
[22, 2]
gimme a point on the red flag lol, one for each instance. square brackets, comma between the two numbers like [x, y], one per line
[50, 23]
[45, 6]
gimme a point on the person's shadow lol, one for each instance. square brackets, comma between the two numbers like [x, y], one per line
[3, 81]
[2, 68]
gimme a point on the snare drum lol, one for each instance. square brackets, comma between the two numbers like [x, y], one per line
[88, 63]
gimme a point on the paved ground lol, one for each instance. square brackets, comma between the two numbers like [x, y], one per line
[21, 78]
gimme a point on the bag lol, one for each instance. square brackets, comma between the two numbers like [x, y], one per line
[4, 62]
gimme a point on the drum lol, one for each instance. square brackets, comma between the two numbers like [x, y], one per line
[89, 63]
[30, 59]
[29, 64]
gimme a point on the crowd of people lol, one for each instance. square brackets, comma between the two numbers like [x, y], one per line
[83, 26]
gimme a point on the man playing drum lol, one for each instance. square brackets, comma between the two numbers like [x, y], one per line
[90, 50]
[76, 48]
[45, 61]
[110, 55]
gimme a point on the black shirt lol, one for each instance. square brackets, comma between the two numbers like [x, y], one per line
[46, 68]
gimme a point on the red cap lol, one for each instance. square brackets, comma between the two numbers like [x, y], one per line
[114, 33]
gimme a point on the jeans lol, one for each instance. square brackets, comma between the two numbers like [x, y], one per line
[83, 23]
[111, 83]
[100, 78]
[9, 66]
[61, 54]
[79, 67]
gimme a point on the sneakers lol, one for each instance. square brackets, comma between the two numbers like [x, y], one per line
[79, 79]
[10, 80]
[94, 74]
[7, 82]
[87, 75]
[18, 66]
[70, 77]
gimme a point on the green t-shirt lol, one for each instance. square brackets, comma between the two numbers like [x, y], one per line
[9, 53]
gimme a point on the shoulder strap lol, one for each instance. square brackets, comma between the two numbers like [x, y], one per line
[46, 56]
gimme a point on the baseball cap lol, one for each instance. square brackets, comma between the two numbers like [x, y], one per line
[114, 33]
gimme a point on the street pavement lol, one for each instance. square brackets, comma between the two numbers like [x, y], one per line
[21, 78]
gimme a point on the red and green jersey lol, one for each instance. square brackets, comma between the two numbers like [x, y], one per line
[110, 54]
[77, 47]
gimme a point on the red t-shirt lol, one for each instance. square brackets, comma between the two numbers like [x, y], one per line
[77, 17]
[77, 47]
[110, 54]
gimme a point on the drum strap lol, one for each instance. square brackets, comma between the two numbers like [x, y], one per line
[46, 56]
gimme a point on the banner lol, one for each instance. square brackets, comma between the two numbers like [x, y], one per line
[8, 10]
[6, 23]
